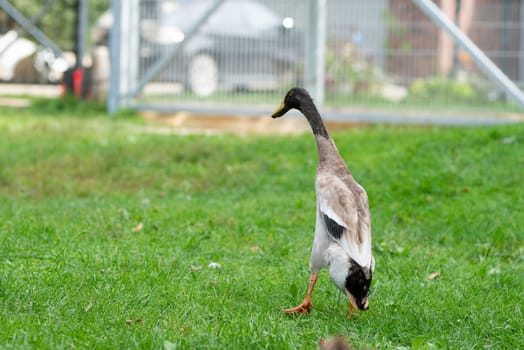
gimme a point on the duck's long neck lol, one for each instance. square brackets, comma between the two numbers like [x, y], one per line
[325, 145]
[313, 117]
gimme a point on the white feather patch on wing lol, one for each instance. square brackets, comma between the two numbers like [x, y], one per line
[349, 209]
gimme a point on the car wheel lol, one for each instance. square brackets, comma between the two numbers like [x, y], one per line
[202, 77]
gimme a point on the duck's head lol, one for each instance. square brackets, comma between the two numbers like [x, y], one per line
[357, 283]
[295, 98]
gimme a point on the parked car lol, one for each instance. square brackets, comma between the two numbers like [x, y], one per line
[243, 45]
[23, 61]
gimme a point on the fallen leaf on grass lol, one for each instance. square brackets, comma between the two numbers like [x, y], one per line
[89, 306]
[433, 275]
[255, 249]
[136, 320]
[196, 268]
[138, 227]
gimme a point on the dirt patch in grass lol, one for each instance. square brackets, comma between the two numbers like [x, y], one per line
[188, 123]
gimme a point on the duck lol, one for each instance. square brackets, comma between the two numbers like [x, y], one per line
[342, 238]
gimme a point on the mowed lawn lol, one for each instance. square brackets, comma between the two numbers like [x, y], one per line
[107, 233]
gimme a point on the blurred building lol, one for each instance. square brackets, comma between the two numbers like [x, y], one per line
[417, 48]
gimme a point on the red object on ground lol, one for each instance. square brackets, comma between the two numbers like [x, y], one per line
[78, 78]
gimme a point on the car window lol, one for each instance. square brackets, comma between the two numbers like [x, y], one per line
[242, 17]
[233, 17]
[260, 16]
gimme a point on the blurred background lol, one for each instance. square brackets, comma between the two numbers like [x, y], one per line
[240, 56]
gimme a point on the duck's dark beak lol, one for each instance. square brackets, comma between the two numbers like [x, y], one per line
[355, 304]
[280, 111]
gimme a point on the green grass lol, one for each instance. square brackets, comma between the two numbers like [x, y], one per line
[74, 183]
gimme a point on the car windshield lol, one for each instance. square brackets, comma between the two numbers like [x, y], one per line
[233, 17]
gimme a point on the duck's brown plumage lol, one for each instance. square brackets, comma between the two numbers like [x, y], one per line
[346, 201]
[343, 229]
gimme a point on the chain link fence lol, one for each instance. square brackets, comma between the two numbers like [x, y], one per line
[378, 54]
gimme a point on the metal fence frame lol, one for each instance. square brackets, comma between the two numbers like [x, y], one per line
[122, 90]
[124, 85]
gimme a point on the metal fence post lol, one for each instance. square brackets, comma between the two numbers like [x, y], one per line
[521, 43]
[81, 34]
[129, 47]
[124, 53]
[113, 98]
[315, 50]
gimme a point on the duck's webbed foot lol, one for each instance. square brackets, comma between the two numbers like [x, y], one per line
[303, 308]
[306, 305]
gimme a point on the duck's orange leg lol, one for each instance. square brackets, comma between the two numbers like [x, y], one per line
[351, 310]
[306, 304]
